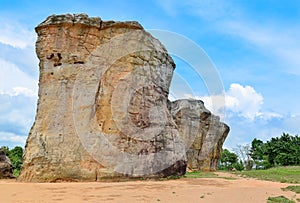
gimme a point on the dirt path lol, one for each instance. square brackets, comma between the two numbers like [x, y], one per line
[183, 190]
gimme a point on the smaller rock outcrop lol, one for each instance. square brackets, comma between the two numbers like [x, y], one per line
[202, 133]
[5, 166]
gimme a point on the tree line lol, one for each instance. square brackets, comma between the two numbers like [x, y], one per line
[278, 151]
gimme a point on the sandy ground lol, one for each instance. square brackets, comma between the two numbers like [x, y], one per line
[182, 190]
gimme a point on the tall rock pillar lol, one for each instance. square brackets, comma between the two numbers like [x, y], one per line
[102, 108]
[202, 132]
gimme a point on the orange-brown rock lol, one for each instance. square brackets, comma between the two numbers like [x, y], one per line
[202, 132]
[102, 109]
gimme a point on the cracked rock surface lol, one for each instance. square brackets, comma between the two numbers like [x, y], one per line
[202, 132]
[102, 109]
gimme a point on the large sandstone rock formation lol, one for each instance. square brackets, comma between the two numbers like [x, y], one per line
[202, 132]
[5, 166]
[102, 109]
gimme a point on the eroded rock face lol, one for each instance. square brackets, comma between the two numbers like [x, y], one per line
[5, 166]
[202, 132]
[102, 109]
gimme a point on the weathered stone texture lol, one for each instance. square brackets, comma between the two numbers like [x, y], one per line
[102, 109]
[5, 166]
[202, 132]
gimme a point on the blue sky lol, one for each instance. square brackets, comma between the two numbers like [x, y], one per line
[254, 45]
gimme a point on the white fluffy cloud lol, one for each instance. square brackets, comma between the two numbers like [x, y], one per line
[18, 85]
[16, 117]
[241, 100]
[244, 100]
[15, 35]
[12, 138]
[14, 81]
[16, 112]
[16, 91]
[18, 97]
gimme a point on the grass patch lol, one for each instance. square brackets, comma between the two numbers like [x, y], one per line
[200, 174]
[279, 199]
[16, 172]
[294, 188]
[289, 174]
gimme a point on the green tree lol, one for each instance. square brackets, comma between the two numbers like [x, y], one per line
[257, 150]
[282, 151]
[259, 154]
[228, 159]
[238, 165]
[16, 157]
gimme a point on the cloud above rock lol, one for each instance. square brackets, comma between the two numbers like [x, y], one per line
[238, 100]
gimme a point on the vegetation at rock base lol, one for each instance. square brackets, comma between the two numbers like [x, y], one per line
[15, 155]
[200, 174]
[208, 174]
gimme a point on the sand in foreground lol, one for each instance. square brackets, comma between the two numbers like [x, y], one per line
[182, 190]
